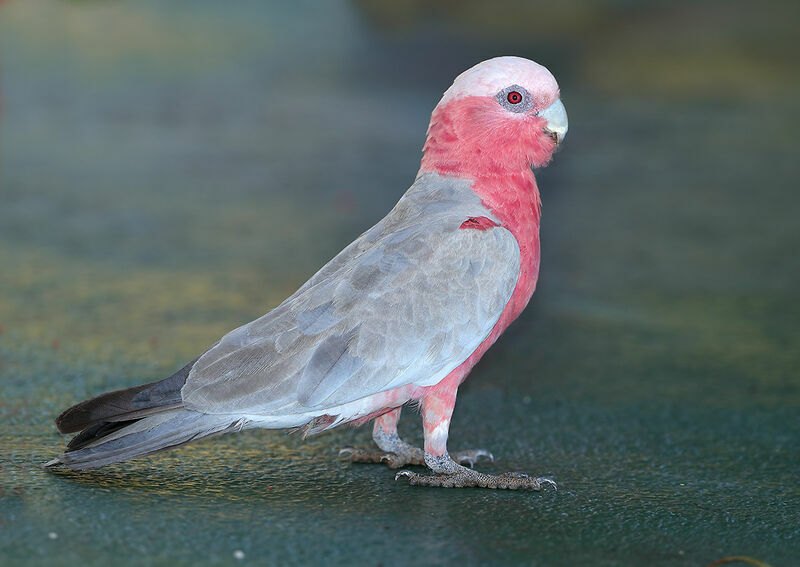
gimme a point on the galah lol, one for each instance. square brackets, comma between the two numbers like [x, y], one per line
[400, 315]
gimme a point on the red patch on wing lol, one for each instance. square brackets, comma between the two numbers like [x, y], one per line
[479, 223]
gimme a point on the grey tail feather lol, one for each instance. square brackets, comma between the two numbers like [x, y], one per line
[159, 432]
[95, 432]
[123, 406]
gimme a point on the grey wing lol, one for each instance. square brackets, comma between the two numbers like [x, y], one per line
[401, 307]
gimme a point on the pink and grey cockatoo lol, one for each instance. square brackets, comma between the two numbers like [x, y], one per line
[400, 315]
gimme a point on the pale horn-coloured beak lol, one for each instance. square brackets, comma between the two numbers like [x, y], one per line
[556, 117]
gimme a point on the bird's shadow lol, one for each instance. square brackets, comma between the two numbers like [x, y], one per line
[260, 466]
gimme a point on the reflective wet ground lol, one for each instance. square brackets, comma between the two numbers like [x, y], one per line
[168, 172]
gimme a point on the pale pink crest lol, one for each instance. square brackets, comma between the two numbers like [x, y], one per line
[493, 75]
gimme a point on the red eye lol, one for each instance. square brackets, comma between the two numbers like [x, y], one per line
[514, 97]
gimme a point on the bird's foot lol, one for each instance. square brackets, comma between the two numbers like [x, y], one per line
[406, 455]
[401, 457]
[509, 480]
[449, 474]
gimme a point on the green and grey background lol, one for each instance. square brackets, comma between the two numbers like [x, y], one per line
[171, 170]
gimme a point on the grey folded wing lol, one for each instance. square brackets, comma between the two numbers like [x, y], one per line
[401, 305]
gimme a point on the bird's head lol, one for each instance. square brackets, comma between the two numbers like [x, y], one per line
[499, 117]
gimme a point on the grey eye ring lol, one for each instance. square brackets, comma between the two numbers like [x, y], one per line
[515, 98]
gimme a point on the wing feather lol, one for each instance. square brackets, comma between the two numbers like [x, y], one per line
[406, 303]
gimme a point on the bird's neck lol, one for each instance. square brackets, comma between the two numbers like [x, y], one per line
[514, 199]
[500, 176]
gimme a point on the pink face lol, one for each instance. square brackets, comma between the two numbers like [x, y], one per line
[499, 117]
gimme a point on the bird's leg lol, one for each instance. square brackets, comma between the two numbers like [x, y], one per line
[395, 452]
[437, 409]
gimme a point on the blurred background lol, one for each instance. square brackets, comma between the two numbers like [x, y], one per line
[171, 170]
